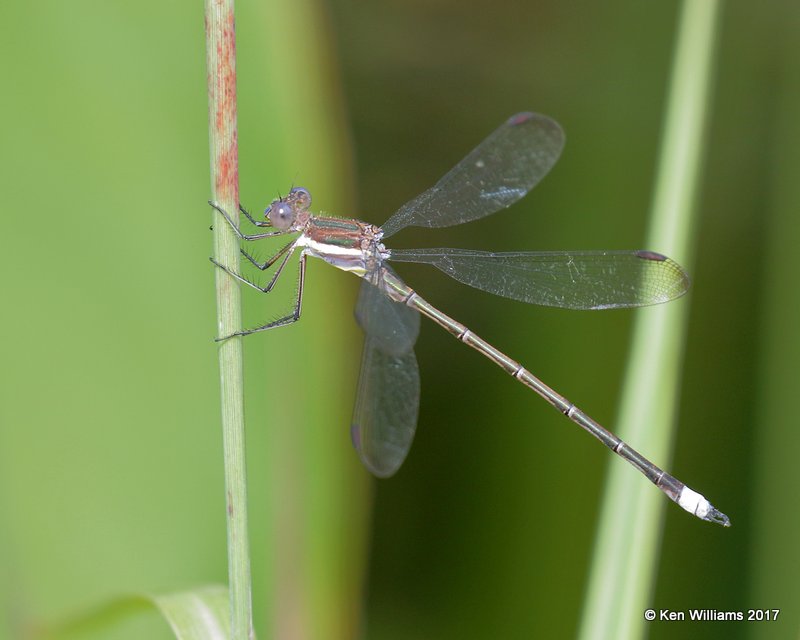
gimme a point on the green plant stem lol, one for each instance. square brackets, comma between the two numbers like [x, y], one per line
[625, 553]
[221, 61]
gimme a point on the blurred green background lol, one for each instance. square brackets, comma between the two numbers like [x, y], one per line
[110, 450]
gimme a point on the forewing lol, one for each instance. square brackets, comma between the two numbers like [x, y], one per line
[497, 173]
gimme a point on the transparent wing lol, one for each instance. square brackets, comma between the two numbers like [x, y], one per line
[393, 326]
[571, 280]
[387, 400]
[387, 407]
[497, 173]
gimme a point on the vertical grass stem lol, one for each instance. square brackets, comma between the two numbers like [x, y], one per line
[221, 70]
[626, 550]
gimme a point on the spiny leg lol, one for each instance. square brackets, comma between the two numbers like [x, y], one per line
[293, 317]
[275, 276]
[266, 265]
[279, 270]
[258, 223]
[238, 232]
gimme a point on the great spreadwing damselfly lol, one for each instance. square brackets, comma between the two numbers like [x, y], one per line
[497, 173]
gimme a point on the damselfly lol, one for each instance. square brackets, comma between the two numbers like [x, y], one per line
[497, 173]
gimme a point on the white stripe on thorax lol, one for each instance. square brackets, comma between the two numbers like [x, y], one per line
[322, 248]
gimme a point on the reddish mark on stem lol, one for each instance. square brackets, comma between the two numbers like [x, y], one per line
[228, 170]
[222, 85]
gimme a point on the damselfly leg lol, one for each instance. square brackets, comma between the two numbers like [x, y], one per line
[286, 252]
[238, 232]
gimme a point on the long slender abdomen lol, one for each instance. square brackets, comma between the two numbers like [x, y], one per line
[688, 499]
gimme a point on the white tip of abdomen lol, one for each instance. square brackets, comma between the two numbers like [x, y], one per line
[694, 503]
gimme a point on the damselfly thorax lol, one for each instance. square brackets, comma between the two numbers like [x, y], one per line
[350, 245]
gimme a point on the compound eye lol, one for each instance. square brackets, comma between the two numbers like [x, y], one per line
[301, 198]
[280, 214]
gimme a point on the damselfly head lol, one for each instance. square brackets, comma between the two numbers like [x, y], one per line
[283, 212]
[301, 198]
